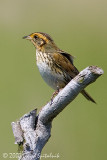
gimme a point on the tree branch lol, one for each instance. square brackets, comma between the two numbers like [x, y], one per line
[33, 131]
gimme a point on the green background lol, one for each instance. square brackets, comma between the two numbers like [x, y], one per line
[78, 27]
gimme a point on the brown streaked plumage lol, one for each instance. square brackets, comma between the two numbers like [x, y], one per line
[56, 66]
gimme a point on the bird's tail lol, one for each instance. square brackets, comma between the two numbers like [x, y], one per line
[87, 96]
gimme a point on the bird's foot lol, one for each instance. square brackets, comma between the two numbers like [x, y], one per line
[54, 95]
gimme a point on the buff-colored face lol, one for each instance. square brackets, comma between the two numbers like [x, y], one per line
[39, 39]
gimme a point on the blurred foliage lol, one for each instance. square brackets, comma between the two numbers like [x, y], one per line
[78, 27]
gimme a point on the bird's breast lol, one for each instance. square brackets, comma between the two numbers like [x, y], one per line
[48, 71]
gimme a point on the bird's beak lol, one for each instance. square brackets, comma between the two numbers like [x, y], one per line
[27, 37]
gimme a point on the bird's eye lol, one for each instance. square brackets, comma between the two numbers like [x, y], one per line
[35, 36]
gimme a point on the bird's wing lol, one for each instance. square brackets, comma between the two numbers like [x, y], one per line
[65, 64]
[67, 55]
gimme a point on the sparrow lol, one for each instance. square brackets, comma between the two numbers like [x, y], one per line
[55, 65]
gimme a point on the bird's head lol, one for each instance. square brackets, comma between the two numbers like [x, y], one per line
[42, 41]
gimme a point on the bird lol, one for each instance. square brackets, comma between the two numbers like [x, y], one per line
[55, 65]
